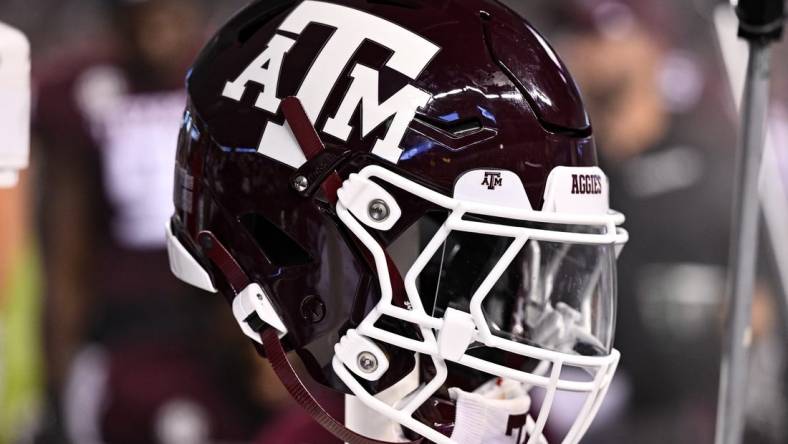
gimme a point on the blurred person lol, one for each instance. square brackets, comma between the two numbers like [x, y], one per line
[20, 361]
[666, 129]
[19, 296]
[14, 211]
[133, 356]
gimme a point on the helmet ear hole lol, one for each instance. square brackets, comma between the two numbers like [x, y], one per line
[280, 249]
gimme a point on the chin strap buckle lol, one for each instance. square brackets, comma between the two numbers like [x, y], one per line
[252, 307]
[254, 312]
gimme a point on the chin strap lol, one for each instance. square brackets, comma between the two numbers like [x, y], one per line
[312, 147]
[295, 386]
[276, 354]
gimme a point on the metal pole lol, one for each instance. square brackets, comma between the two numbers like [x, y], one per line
[744, 249]
[760, 23]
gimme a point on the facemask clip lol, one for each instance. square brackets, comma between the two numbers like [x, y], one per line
[457, 334]
[362, 356]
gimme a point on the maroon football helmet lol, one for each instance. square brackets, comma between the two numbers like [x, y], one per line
[405, 194]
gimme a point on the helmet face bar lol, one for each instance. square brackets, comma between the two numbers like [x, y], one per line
[568, 338]
[431, 203]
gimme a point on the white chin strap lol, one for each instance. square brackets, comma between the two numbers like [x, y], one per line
[497, 413]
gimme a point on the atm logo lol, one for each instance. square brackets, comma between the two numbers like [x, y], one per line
[492, 180]
[410, 56]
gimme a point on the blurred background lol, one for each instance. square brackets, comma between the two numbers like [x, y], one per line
[98, 344]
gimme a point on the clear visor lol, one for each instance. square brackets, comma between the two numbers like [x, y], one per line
[558, 296]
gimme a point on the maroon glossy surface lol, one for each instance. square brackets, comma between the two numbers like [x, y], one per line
[527, 110]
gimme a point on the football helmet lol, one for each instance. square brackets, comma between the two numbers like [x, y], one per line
[401, 190]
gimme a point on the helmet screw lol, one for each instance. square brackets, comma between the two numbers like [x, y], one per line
[313, 309]
[300, 184]
[206, 242]
[367, 362]
[379, 210]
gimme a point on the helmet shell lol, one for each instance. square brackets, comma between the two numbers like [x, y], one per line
[499, 98]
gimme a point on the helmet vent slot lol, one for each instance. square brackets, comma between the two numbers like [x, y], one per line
[275, 244]
[457, 129]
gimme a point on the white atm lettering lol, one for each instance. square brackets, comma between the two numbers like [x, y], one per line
[410, 56]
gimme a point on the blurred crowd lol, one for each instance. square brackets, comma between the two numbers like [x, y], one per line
[98, 344]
